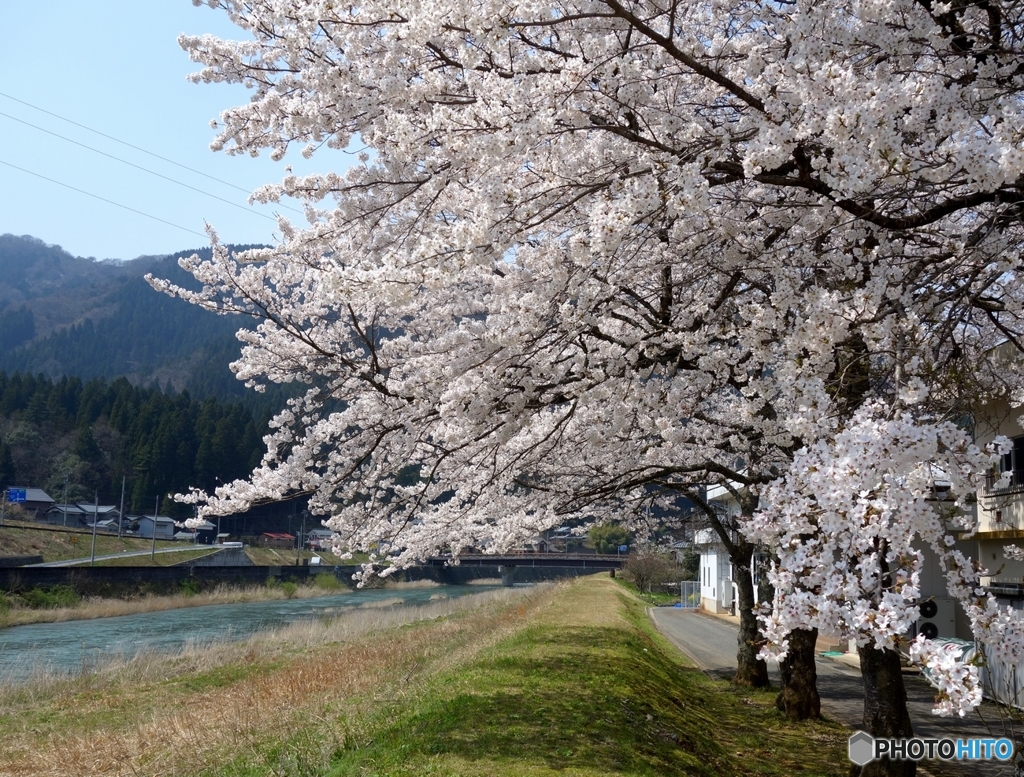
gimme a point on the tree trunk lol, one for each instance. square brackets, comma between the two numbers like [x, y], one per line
[750, 670]
[885, 709]
[799, 695]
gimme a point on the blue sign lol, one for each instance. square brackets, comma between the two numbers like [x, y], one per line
[623, 548]
[15, 494]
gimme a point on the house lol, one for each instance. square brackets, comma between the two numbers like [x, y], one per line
[538, 543]
[1000, 506]
[269, 539]
[36, 503]
[941, 615]
[65, 515]
[715, 572]
[83, 514]
[319, 539]
[164, 527]
[206, 533]
[102, 513]
[718, 592]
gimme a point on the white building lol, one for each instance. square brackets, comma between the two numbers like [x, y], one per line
[1001, 505]
[718, 591]
[941, 615]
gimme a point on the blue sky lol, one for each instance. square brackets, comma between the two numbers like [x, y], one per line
[117, 68]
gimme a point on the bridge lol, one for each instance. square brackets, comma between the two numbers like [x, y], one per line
[508, 562]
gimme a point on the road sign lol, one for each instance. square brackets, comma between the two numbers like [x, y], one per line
[15, 494]
[623, 548]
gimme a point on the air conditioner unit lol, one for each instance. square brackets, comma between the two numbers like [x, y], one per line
[938, 618]
[725, 585]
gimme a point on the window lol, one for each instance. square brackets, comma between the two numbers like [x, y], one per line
[1012, 462]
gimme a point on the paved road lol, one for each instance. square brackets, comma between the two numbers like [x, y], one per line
[126, 554]
[710, 642]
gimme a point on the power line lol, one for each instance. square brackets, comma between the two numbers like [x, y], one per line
[138, 167]
[104, 199]
[137, 148]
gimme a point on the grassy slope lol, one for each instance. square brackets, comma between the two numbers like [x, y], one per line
[25, 539]
[569, 681]
[588, 688]
[286, 557]
[67, 545]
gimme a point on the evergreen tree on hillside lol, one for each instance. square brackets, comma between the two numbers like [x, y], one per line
[97, 433]
[7, 474]
[16, 328]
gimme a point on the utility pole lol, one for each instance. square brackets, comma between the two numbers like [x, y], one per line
[120, 515]
[298, 540]
[67, 474]
[95, 520]
[156, 514]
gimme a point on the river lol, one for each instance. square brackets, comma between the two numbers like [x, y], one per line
[71, 645]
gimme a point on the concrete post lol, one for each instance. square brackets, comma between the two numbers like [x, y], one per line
[507, 573]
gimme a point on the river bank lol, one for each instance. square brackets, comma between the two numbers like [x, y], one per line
[566, 679]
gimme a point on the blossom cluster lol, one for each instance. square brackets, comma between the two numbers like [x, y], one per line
[601, 253]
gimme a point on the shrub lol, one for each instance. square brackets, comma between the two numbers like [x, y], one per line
[607, 537]
[189, 587]
[326, 581]
[50, 598]
[290, 589]
[648, 568]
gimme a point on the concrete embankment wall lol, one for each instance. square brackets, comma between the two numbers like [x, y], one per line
[18, 561]
[228, 557]
[88, 579]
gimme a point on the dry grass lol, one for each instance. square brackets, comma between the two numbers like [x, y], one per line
[57, 544]
[557, 680]
[159, 559]
[183, 714]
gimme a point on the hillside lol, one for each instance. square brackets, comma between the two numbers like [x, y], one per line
[65, 315]
[89, 438]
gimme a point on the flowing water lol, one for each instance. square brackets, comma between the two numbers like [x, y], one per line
[73, 645]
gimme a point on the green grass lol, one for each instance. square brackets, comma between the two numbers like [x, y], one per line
[657, 598]
[571, 681]
[605, 696]
[156, 560]
[55, 543]
[590, 700]
[285, 557]
[217, 677]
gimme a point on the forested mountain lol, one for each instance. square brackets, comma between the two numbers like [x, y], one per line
[96, 432]
[62, 315]
[105, 378]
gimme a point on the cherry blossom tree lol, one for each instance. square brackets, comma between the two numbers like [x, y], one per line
[602, 252]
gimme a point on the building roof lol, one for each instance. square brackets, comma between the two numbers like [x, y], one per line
[705, 537]
[70, 509]
[159, 519]
[81, 508]
[33, 494]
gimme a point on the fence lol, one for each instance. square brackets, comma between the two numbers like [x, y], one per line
[1001, 678]
[689, 594]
